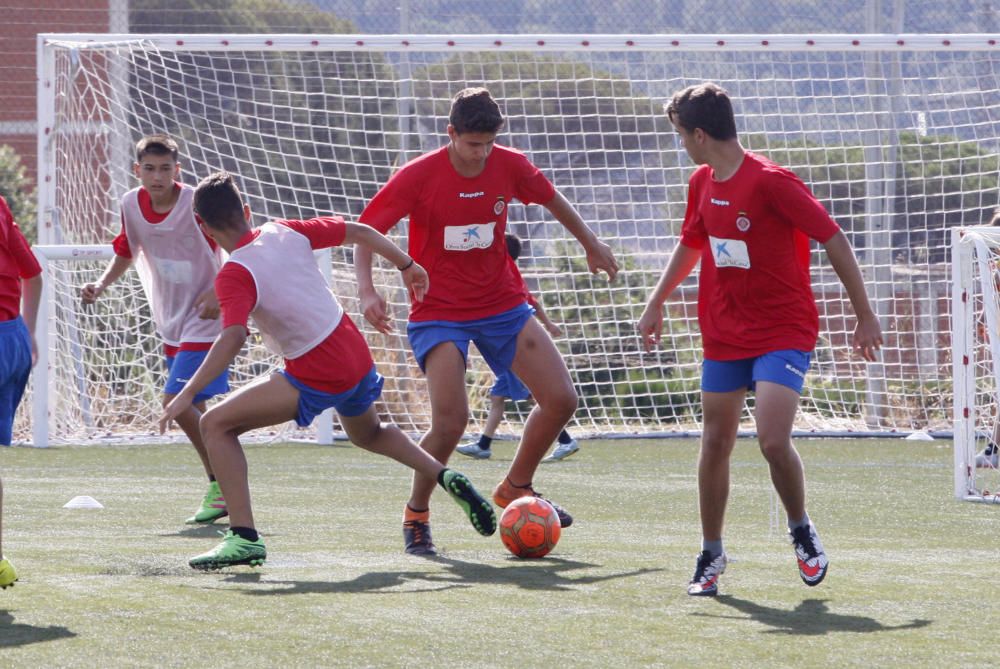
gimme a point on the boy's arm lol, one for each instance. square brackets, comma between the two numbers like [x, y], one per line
[31, 297]
[868, 333]
[682, 261]
[599, 255]
[224, 350]
[367, 239]
[118, 266]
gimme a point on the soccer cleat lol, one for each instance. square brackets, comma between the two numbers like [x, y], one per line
[501, 498]
[213, 506]
[480, 512]
[473, 450]
[417, 537]
[707, 570]
[987, 458]
[563, 451]
[7, 574]
[813, 562]
[234, 550]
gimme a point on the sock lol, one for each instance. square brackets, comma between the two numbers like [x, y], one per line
[248, 533]
[421, 515]
[564, 437]
[485, 442]
[714, 548]
[802, 523]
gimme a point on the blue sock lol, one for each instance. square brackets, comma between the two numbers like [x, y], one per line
[714, 548]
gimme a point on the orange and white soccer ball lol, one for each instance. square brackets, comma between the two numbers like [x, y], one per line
[529, 527]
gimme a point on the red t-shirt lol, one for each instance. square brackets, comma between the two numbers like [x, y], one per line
[457, 229]
[754, 292]
[121, 248]
[16, 262]
[337, 363]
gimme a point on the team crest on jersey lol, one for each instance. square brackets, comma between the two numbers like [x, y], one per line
[742, 222]
[498, 205]
[468, 237]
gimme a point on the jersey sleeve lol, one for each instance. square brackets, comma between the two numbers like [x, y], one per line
[237, 293]
[693, 233]
[795, 203]
[394, 201]
[19, 248]
[322, 232]
[120, 243]
[531, 185]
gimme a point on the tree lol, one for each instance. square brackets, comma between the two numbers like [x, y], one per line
[17, 189]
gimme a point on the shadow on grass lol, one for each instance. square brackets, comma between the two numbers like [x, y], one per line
[810, 618]
[548, 574]
[15, 634]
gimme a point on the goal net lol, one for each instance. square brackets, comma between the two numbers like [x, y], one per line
[896, 134]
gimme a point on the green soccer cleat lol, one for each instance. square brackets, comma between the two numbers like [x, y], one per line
[480, 512]
[213, 506]
[234, 550]
[7, 574]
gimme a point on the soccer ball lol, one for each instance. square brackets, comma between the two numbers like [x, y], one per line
[529, 527]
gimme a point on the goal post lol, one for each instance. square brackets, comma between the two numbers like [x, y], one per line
[896, 135]
[976, 356]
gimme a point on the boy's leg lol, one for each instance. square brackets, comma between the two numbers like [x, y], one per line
[774, 415]
[444, 368]
[540, 366]
[387, 439]
[721, 423]
[262, 404]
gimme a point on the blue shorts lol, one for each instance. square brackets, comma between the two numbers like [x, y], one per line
[350, 403]
[15, 368]
[508, 385]
[180, 369]
[495, 337]
[787, 368]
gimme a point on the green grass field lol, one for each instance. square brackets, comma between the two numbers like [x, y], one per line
[909, 580]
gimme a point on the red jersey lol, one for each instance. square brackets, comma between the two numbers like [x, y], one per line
[337, 363]
[457, 229]
[754, 291]
[16, 262]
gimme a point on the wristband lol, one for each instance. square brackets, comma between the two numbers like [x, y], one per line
[406, 266]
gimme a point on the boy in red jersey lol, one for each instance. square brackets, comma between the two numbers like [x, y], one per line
[177, 265]
[507, 385]
[20, 294]
[457, 198]
[271, 274]
[749, 222]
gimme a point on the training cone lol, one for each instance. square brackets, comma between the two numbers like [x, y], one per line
[83, 502]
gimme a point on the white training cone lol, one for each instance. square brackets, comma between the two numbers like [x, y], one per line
[83, 502]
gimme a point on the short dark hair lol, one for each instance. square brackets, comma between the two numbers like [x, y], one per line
[217, 201]
[706, 106]
[475, 110]
[159, 144]
[513, 245]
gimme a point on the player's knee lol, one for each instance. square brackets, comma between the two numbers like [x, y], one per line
[212, 423]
